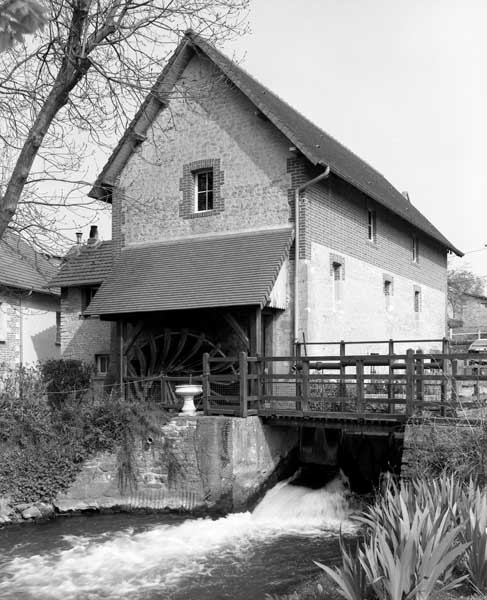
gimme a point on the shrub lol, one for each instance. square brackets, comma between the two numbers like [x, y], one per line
[65, 379]
[43, 447]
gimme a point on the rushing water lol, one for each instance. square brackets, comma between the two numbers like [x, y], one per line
[241, 556]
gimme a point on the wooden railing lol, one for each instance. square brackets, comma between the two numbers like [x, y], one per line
[383, 386]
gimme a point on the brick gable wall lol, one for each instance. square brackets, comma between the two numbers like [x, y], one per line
[211, 123]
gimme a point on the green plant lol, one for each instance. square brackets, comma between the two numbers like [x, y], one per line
[350, 578]
[474, 515]
[65, 379]
[43, 447]
[412, 545]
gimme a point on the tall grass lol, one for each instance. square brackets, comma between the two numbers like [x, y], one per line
[425, 538]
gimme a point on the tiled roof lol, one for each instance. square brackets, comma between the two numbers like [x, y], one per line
[226, 270]
[85, 265]
[314, 143]
[24, 268]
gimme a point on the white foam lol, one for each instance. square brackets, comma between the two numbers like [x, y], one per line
[125, 563]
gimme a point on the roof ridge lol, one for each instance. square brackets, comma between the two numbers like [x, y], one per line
[201, 41]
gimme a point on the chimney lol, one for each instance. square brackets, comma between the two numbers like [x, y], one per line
[93, 239]
[79, 236]
[406, 195]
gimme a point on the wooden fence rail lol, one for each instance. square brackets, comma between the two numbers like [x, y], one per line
[358, 386]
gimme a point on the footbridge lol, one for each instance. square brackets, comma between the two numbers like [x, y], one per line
[367, 393]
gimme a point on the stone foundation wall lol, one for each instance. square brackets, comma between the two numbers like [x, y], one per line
[198, 463]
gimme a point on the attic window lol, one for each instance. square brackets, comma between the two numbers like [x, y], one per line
[201, 185]
[203, 190]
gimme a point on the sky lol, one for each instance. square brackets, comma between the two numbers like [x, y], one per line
[402, 83]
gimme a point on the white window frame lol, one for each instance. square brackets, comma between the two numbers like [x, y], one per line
[205, 192]
[99, 358]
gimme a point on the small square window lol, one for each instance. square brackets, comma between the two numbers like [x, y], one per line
[102, 364]
[203, 188]
[371, 226]
[415, 249]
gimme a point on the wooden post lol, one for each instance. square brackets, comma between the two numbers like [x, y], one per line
[206, 383]
[454, 382]
[342, 388]
[256, 332]
[121, 362]
[409, 382]
[390, 381]
[419, 371]
[243, 369]
[359, 377]
[445, 349]
[305, 386]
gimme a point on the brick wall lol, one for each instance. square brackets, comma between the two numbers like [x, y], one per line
[81, 338]
[210, 121]
[336, 216]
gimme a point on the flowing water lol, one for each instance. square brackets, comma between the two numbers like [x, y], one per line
[241, 556]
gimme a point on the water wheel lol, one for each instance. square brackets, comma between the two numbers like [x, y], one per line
[153, 358]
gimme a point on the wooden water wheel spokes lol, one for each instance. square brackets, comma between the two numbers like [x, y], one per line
[172, 353]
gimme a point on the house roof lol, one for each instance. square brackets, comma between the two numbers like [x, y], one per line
[22, 267]
[236, 269]
[318, 146]
[85, 265]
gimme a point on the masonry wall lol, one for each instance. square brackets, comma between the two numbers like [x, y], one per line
[81, 338]
[34, 339]
[210, 123]
[208, 120]
[335, 230]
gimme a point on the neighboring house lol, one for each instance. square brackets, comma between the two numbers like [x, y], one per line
[203, 186]
[470, 317]
[29, 313]
[81, 273]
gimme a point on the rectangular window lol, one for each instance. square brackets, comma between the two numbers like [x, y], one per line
[3, 322]
[387, 293]
[337, 282]
[417, 301]
[371, 226]
[415, 248]
[102, 364]
[203, 185]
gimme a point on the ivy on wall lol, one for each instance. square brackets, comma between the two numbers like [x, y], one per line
[43, 443]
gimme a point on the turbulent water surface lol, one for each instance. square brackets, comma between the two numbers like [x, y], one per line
[241, 556]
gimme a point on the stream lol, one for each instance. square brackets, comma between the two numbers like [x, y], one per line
[241, 556]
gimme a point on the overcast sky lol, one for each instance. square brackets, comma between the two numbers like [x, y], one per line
[402, 83]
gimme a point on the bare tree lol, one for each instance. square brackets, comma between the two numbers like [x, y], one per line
[75, 85]
[19, 18]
